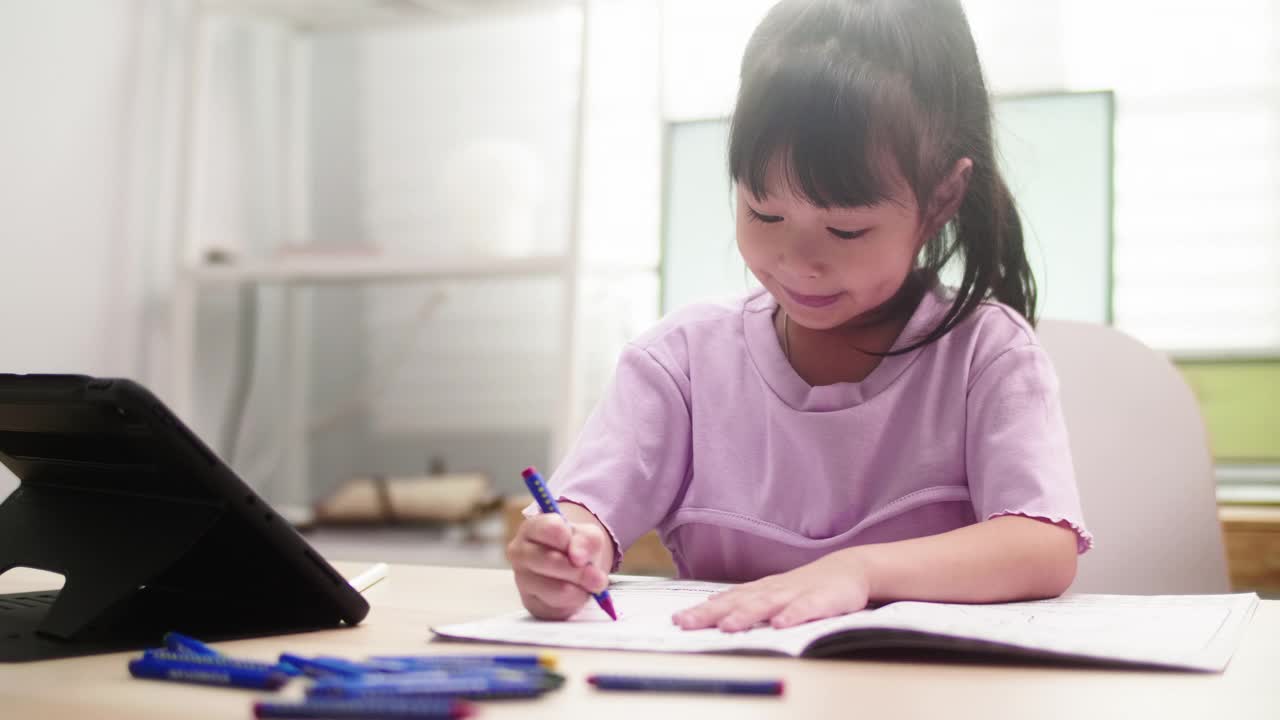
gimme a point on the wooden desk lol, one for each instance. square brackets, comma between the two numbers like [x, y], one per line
[1252, 536]
[413, 598]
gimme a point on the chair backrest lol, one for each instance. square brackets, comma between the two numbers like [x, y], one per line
[1143, 465]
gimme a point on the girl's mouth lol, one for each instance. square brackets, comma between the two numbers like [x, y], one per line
[813, 301]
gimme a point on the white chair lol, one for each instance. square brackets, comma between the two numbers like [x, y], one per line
[1142, 462]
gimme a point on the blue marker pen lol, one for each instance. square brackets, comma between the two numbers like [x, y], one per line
[381, 709]
[179, 643]
[548, 504]
[686, 684]
[207, 670]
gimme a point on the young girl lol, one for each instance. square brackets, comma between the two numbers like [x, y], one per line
[854, 432]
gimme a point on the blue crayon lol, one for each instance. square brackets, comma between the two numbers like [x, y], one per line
[164, 656]
[410, 666]
[546, 660]
[467, 687]
[188, 653]
[547, 503]
[490, 675]
[374, 666]
[686, 684]
[323, 666]
[179, 643]
[334, 683]
[205, 670]
[381, 709]
[474, 688]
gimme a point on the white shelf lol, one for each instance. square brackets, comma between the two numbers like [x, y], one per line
[339, 268]
[354, 14]
[352, 269]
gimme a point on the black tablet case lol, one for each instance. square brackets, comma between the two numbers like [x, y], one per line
[151, 531]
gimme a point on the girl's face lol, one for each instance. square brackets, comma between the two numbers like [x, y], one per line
[828, 267]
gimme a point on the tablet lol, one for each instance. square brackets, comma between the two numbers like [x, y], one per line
[150, 530]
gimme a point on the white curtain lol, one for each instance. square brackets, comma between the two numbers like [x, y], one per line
[84, 158]
[221, 153]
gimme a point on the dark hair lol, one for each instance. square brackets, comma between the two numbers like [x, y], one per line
[830, 86]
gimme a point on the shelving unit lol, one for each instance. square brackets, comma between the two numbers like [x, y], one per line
[369, 14]
[296, 270]
[360, 269]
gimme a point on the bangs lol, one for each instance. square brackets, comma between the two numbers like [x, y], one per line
[839, 135]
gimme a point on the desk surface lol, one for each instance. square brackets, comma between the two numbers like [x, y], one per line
[413, 598]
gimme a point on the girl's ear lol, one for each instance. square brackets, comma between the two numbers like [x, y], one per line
[946, 199]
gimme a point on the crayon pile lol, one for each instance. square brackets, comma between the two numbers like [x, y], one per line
[403, 687]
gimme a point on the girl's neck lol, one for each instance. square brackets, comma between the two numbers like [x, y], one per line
[850, 352]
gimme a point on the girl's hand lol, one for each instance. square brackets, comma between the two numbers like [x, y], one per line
[834, 585]
[553, 564]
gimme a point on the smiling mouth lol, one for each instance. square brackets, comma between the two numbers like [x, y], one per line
[813, 301]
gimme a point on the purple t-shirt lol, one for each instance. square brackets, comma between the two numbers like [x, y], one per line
[708, 435]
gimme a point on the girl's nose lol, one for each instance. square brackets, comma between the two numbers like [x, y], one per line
[801, 258]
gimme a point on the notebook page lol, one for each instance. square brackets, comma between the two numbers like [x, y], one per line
[1186, 631]
[644, 607]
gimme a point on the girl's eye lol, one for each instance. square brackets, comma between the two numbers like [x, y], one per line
[848, 234]
[759, 217]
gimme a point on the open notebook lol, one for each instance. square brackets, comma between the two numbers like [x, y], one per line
[1192, 632]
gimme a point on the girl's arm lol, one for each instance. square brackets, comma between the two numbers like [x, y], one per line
[636, 444]
[1003, 559]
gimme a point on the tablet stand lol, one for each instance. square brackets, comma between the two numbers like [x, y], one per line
[107, 547]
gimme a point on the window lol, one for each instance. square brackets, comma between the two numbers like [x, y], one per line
[1197, 166]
